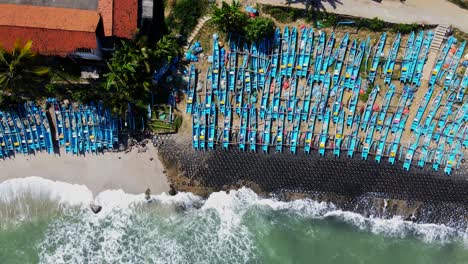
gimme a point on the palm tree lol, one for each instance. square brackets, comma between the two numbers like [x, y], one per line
[20, 75]
[229, 18]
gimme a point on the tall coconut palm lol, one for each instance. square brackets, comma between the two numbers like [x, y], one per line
[20, 74]
[229, 19]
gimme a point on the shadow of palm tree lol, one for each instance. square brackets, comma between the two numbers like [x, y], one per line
[315, 4]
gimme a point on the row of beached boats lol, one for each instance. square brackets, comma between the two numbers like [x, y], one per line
[80, 129]
[289, 92]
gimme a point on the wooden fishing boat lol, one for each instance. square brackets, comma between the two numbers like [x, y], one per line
[418, 44]
[268, 86]
[223, 91]
[385, 105]
[310, 130]
[339, 134]
[212, 127]
[244, 121]
[368, 141]
[227, 127]
[353, 103]
[393, 151]
[319, 53]
[407, 57]
[233, 60]
[285, 49]
[295, 133]
[191, 89]
[366, 117]
[390, 63]
[353, 139]
[412, 149]
[280, 130]
[326, 56]
[380, 149]
[422, 108]
[349, 64]
[426, 145]
[292, 52]
[292, 101]
[440, 61]
[253, 129]
[452, 70]
[277, 96]
[340, 58]
[421, 61]
[266, 137]
[307, 98]
[337, 104]
[202, 133]
[376, 58]
[215, 66]
[324, 134]
[275, 57]
[357, 65]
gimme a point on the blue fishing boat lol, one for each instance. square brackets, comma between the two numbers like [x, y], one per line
[435, 104]
[412, 149]
[353, 103]
[4, 152]
[422, 108]
[337, 104]
[253, 129]
[391, 58]
[369, 139]
[324, 96]
[275, 57]
[324, 134]
[380, 149]
[292, 52]
[340, 57]
[227, 127]
[254, 67]
[208, 90]
[306, 48]
[421, 61]
[280, 130]
[452, 158]
[266, 137]
[339, 134]
[292, 101]
[240, 93]
[426, 145]
[202, 129]
[326, 56]
[319, 53]
[407, 58]
[418, 45]
[439, 154]
[310, 130]
[295, 133]
[463, 87]
[357, 65]
[232, 66]
[223, 91]
[307, 98]
[366, 117]
[353, 139]
[285, 50]
[393, 151]
[440, 61]
[301, 56]
[400, 108]
[452, 69]
[212, 127]
[244, 121]
[376, 58]
[385, 105]
[269, 87]
[191, 89]
[349, 65]
[277, 96]
[215, 66]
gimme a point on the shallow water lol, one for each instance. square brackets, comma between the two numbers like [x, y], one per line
[47, 222]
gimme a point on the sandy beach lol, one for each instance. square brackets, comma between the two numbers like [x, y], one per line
[132, 172]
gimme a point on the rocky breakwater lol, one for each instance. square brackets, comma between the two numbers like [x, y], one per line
[352, 184]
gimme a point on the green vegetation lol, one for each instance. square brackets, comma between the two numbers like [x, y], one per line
[185, 15]
[259, 28]
[405, 28]
[374, 24]
[282, 14]
[21, 75]
[231, 20]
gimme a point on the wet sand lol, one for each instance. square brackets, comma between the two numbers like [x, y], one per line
[132, 172]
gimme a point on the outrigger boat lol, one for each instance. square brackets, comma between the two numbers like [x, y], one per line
[292, 52]
[366, 117]
[240, 93]
[215, 66]
[396, 140]
[277, 96]
[412, 149]
[307, 98]
[233, 59]
[422, 108]
[357, 65]
[376, 59]
[269, 86]
[202, 129]
[266, 132]
[306, 48]
[310, 130]
[451, 71]
[440, 151]
[385, 105]
[295, 132]
[349, 65]
[338, 101]
[353, 139]
[369, 138]
[254, 73]
[244, 121]
[339, 134]
[326, 57]
[426, 146]
[390, 64]
[383, 139]
[212, 122]
[407, 57]
[452, 158]
[432, 111]
[324, 135]
[208, 90]
[324, 96]
[285, 50]
[292, 101]
[276, 52]
[191, 89]
[253, 129]
[463, 87]
[319, 53]
[408, 75]
[223, 92]
[280, 130]
[340, 57]
[416, 78]
[440, 61]
[227, 126]
[353, 103]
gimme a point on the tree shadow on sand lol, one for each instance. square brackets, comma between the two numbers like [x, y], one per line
[315, 4]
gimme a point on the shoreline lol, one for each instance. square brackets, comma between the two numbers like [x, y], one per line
[133, 172]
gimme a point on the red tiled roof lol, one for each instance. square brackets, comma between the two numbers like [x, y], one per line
[106, 12]
[48, 18]
[48, 41]
[125, 18]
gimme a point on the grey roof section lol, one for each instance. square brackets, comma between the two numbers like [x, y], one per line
[74, 4]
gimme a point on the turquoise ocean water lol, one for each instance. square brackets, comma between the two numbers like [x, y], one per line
[50, 222]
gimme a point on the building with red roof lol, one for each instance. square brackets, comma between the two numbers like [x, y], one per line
[65, 27]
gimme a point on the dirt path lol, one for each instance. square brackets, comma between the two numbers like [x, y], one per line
[411, 11]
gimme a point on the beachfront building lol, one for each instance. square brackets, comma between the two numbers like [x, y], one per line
[81, 28]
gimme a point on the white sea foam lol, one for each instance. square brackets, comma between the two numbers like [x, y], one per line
[129, 230]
